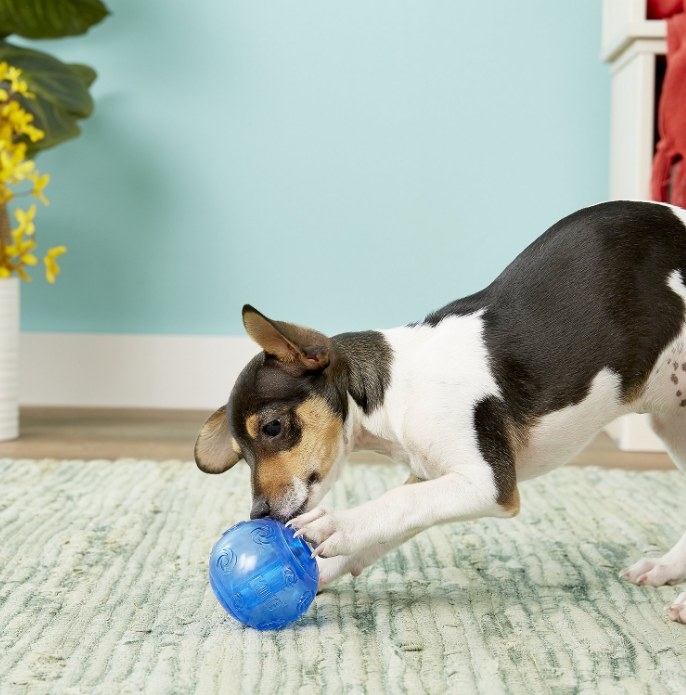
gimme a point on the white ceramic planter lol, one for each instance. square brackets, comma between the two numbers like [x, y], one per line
[9, 358]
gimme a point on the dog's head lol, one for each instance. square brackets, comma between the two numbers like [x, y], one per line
[285, 418]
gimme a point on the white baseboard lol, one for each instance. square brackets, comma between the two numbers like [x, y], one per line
[130, 371]
[171, 371]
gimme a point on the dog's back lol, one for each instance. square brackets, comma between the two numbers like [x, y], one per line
[568, 337]
[602, 288]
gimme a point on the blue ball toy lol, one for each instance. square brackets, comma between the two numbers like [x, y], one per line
[262, 574]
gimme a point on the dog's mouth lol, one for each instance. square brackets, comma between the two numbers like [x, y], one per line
[285, 512]
[300, 510]
[303, 507]
[284, 518]
[297, 499]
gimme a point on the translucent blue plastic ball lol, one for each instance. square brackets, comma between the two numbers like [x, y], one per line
[262, 575]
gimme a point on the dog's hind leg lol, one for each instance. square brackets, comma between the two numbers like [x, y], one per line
[671, 567]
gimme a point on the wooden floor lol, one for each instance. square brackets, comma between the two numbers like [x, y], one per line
[94, 433]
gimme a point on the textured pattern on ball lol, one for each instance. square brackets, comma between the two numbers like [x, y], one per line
[262, 575]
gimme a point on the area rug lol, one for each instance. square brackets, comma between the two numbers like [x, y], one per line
[103, 589]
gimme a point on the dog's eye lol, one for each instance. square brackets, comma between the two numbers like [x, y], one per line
[271, 429]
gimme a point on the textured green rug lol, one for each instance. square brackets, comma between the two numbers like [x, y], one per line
[103, 589]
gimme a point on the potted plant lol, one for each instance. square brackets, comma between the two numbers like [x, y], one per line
[41, 102]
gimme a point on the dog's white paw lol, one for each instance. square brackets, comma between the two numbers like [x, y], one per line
[331, 568]
[331, 533]
[654, 572]
[677, 610]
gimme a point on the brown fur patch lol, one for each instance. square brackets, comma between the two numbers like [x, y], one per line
[287, 341]
[315, 452]
[513, 504]
[635, 393]
[252, 425]
[267, 336]
[518, 435]
[235, 447]
[214, 450]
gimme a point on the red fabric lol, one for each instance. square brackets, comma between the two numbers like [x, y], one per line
[668, 182]
[661, 9]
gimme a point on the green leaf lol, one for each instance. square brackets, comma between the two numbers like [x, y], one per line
[49, 19]
[84, 72]
[62, 96]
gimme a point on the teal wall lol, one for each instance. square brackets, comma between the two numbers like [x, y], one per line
[340, 164]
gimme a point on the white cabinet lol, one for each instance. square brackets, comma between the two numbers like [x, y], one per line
[635, 48]
[625, 21]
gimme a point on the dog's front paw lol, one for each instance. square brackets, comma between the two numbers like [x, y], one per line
[654, 572]
[677, 610]
[331, 568]
[331, 533]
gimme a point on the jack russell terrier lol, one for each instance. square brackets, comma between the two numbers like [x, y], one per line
[586, 324]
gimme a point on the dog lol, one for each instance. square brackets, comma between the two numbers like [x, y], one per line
[587, 324]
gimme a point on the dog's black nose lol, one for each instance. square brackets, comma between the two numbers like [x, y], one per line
[260, 509]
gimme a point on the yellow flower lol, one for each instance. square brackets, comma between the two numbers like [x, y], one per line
[17, 127]
[20, 246]
[12, 74]
[25, 219]
[5, 194]
[39, 183]
[21, 120]
[13, 164]
[51, 268]
[17, 85]
[34, 134]
[13, 112]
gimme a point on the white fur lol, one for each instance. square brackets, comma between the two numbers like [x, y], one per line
[676, 283]
[661, 389]
[293, 496]
[679, 212]
[438, 375]
[677, 609]
[558, 437]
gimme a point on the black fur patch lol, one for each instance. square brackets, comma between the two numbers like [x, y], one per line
[590, 293]
[490, 424]
[265, 384]
[366, 358]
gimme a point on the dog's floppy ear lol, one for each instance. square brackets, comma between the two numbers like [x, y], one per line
[286, 341]
[215, 450]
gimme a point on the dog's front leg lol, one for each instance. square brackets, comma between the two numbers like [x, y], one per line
[331, 568]
[384, 523]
